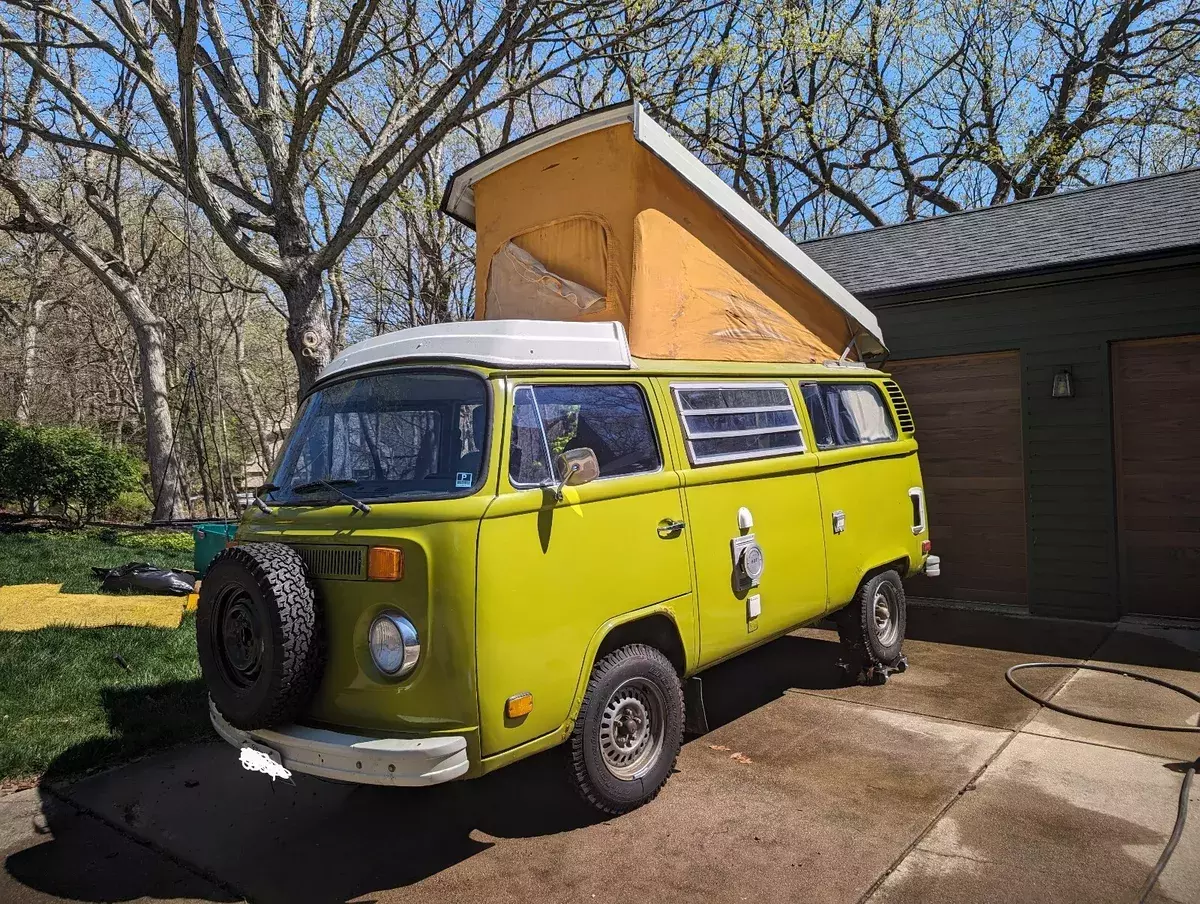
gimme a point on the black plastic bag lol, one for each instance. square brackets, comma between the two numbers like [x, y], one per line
[146, 578]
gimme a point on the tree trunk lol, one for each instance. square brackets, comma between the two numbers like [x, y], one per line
[29, 337]
[156, 403]
[308, 333]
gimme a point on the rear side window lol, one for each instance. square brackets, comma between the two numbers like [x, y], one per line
[732, 421]
[611, 420]
[847, 414]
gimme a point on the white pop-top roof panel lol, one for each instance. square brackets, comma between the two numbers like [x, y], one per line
[459, 199]
[496, 343]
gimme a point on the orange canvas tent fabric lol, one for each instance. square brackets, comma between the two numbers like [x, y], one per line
[596, 226]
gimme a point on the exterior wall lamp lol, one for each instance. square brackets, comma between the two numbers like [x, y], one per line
[1063, 386]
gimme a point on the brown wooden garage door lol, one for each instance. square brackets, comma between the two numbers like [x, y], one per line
[1156, 404]
[967, 410]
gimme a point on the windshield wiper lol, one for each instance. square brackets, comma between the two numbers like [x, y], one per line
[312, 486]
[257, 501]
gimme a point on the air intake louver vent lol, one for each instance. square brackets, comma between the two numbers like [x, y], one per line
[339, 563]
[903, 415]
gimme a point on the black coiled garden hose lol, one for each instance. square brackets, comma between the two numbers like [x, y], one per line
[1188, 775]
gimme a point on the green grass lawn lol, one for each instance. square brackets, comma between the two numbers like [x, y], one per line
[53, 556]
[77, 699]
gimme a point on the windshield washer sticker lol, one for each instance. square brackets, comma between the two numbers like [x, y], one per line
[464, 479]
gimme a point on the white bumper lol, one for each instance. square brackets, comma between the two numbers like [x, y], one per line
[933, 566]
[354, 758]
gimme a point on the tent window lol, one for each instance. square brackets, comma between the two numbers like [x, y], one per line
[556, 272]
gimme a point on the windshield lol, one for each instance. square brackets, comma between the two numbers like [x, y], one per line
[390, 435]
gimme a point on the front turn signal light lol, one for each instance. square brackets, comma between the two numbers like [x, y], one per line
[385, 563]
[518, 705]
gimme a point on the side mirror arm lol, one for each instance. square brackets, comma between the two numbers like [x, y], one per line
[563, 481]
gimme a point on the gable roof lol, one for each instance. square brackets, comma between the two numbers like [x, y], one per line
[1143, 216]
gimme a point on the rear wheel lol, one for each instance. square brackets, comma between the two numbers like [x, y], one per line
[872, 626]
[629, 730]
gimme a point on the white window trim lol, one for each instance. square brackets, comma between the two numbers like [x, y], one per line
[689, 436]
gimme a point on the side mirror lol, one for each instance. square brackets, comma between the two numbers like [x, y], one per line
[575, 467]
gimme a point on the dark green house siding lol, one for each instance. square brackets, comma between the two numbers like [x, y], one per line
[1067, 318]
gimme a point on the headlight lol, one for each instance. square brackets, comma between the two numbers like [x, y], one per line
[395, 648]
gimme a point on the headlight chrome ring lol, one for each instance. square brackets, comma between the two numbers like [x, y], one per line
[395, 647]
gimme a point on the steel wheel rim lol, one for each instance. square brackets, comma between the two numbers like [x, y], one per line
[886, 606]
[239, 638]
[632, 729]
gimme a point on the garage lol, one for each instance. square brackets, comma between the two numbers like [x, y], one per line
[1050, 349]
[1156, 413]
[967, 410]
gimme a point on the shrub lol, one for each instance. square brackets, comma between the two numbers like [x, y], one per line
[85, 475]
[24, 468]
[131, 507]
[67, 467]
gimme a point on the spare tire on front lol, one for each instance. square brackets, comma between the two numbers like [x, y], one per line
[258, 631]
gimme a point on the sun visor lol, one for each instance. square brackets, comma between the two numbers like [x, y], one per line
[607, 217]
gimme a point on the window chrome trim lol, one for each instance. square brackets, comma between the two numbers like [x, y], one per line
[690, 436]
[649, 418]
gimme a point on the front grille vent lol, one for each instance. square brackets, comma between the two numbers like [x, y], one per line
[903, 414]
[339, 563]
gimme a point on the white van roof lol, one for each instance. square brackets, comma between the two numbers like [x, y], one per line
[496, 343]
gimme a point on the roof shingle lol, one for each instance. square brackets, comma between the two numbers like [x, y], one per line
[1141, 216]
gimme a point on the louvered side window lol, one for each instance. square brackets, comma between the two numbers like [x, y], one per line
[734, 421]
[903, 415]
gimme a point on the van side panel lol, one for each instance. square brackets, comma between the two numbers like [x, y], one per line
[869, 485]
[552, 573]
[781, 495]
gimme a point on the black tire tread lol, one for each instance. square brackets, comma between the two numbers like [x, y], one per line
[856, 624]
[577, 766]
[284, 581]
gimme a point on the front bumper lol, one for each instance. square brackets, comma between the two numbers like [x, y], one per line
[405, 762]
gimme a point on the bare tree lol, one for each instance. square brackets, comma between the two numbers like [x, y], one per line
[114, 254]
[248, 98]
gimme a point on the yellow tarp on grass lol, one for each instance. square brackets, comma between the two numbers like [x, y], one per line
[27, 607]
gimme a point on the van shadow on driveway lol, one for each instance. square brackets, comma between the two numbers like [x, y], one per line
[365, 838]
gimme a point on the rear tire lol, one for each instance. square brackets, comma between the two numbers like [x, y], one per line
[872, 626]
[258, 633]
[629, 730]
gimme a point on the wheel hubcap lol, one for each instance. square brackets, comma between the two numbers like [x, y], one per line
[887, 624]
[239, 639]
[632, 727]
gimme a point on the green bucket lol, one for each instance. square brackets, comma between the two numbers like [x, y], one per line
[210, 540]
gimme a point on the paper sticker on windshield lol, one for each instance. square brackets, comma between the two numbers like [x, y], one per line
[464, 479]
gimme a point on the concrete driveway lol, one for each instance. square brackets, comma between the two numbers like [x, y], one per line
[943, 785]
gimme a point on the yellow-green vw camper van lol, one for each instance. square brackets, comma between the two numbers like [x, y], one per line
[486, 539]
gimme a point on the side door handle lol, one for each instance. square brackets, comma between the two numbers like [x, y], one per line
[669, 527]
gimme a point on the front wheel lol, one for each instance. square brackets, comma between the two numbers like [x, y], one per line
[629, 729]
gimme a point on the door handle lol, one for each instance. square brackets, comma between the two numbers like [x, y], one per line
[669, 527]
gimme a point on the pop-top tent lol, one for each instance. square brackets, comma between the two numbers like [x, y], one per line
[607, 217]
